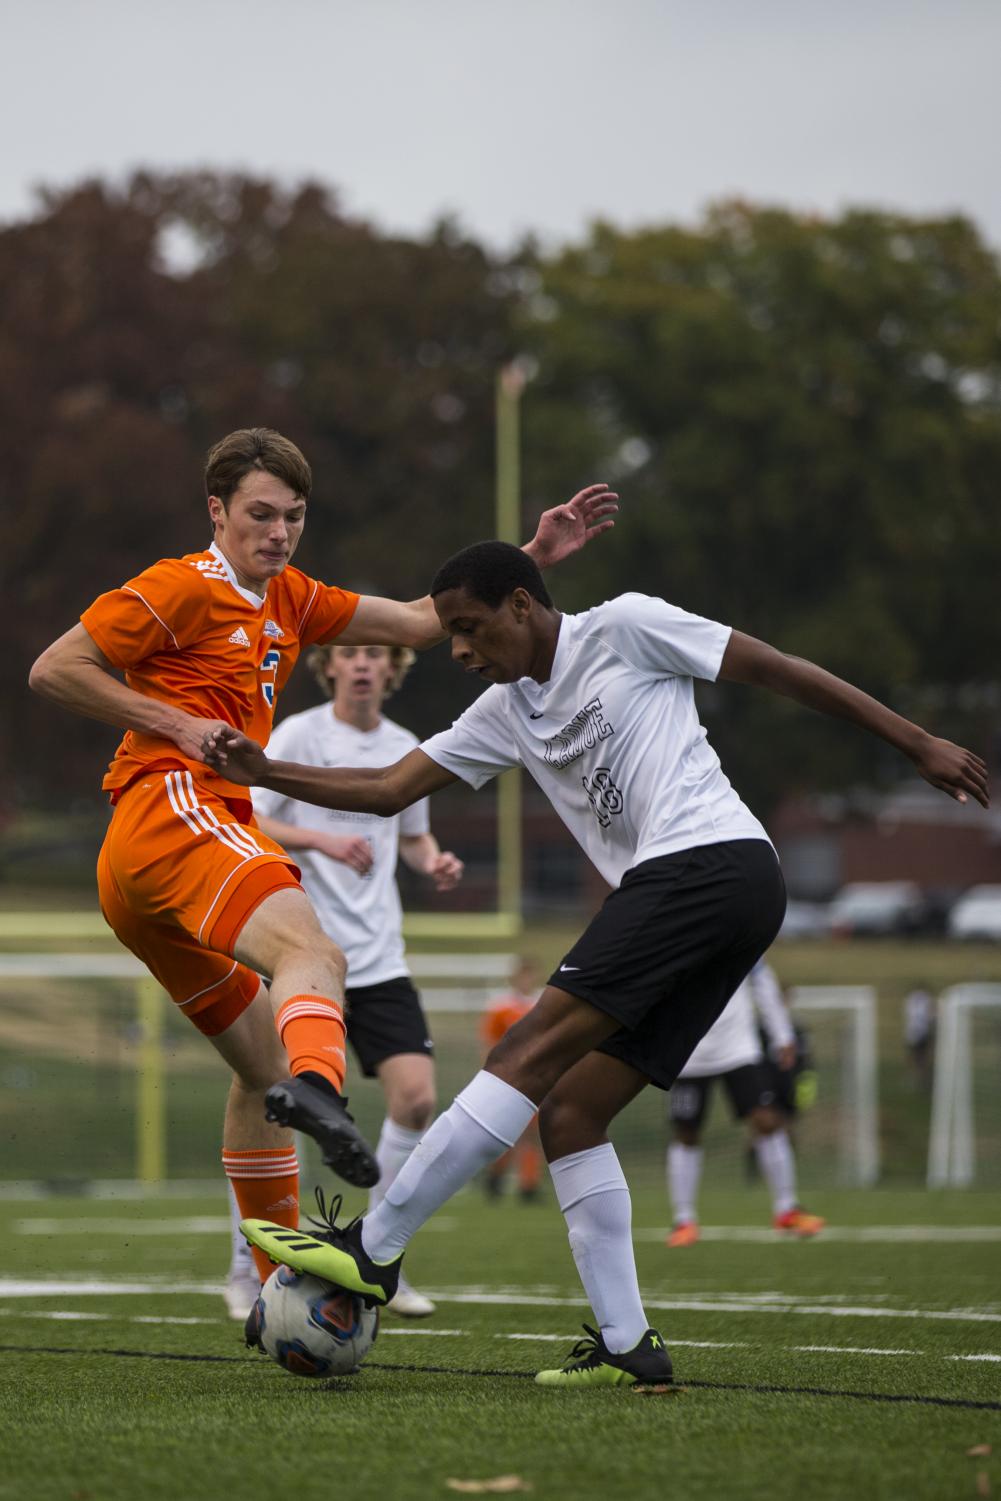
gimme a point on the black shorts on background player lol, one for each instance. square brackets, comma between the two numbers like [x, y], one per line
[384, 1020]
[670, 945]
[748, 1087]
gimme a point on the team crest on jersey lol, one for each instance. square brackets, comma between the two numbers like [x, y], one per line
[273, 629]
[239, 637]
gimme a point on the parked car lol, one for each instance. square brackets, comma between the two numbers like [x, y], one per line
[878, 909]
[977, 914]
[806, 920]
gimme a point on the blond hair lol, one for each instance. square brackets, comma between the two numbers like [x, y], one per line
[401, 659]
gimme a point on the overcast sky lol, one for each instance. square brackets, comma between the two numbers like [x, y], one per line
[518, 114]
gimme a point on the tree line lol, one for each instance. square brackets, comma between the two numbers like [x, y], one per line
[803, 417]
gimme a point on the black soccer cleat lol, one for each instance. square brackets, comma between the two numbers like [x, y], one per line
[645, 1368]
[331, 1252]
[321, 1112]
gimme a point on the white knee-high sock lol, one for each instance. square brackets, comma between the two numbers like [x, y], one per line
[395, 1145]
[594, 1197]
[241, 1259]
[778, 1168]
[684, 1169]
[482, 1122]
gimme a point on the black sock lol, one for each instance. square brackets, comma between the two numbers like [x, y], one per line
[320, 1081]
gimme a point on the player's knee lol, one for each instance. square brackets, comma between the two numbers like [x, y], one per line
[413, 1109]
[687, 1135]
[765, 1120]
[316, 948]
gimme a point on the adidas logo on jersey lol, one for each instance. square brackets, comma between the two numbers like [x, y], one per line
[239, 637]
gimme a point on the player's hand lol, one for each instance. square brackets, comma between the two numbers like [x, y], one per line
[953, 770]
[350, 849]
[190, 733]
[233, 755]
[785, 1056]
[565, 529]
[445, 870]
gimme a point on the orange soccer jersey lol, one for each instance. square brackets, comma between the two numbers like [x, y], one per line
[184, 865]
[501, 1015]
[186, 633]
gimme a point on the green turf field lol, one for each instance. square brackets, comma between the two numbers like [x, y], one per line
[864, 1364]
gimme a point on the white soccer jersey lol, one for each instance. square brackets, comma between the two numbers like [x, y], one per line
[361, 913]
[733, 1040]
[613, 738]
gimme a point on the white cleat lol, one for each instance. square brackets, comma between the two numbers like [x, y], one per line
[241, 1293]
[408, 1303]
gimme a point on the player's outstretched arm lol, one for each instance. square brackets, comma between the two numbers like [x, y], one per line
[385, 790]
[75, 673]
[562, 531]
[949, 767]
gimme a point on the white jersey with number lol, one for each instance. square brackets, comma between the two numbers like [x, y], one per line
[613, 738]
[361, 913]
[733, 1040]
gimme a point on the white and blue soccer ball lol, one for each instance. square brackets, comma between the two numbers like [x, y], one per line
[311, 1327]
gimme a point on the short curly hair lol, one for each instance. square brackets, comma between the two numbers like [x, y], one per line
[402, 658]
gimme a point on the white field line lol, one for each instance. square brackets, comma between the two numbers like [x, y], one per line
[66, 1316]
[201, 1224]
[854, 1234]
[724, 1305]
[11, 1287]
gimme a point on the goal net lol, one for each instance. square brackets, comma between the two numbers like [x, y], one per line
[102, 1078]
[964, 1143]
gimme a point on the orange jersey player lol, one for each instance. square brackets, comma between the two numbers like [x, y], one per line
[500, 1016]
[186, 879]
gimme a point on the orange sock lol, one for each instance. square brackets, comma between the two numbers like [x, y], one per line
[311, 1028]
[266, 1186]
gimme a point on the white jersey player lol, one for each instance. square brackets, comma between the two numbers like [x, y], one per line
[348, 863]
[599, 709]
[731, 1052]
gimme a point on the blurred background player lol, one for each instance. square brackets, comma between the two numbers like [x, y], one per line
[498, 1019]
[731, 1052]
[348, 863]
[919, 1034]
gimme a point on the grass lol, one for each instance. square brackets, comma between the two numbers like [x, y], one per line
[763, 1414]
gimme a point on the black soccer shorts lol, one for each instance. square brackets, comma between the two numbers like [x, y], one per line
[748, 1087]
[669, 947]
[384, 1020]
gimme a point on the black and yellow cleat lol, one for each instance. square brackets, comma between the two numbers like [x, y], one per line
[309, 1103]
[333, 1253]
[644, 1368]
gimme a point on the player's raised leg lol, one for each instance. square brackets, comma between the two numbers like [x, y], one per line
[283, 939]
[594, 1197]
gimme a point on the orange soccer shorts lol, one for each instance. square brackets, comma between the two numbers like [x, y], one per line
[180, 871]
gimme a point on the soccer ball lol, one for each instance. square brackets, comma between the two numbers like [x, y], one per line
[310, 1327]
